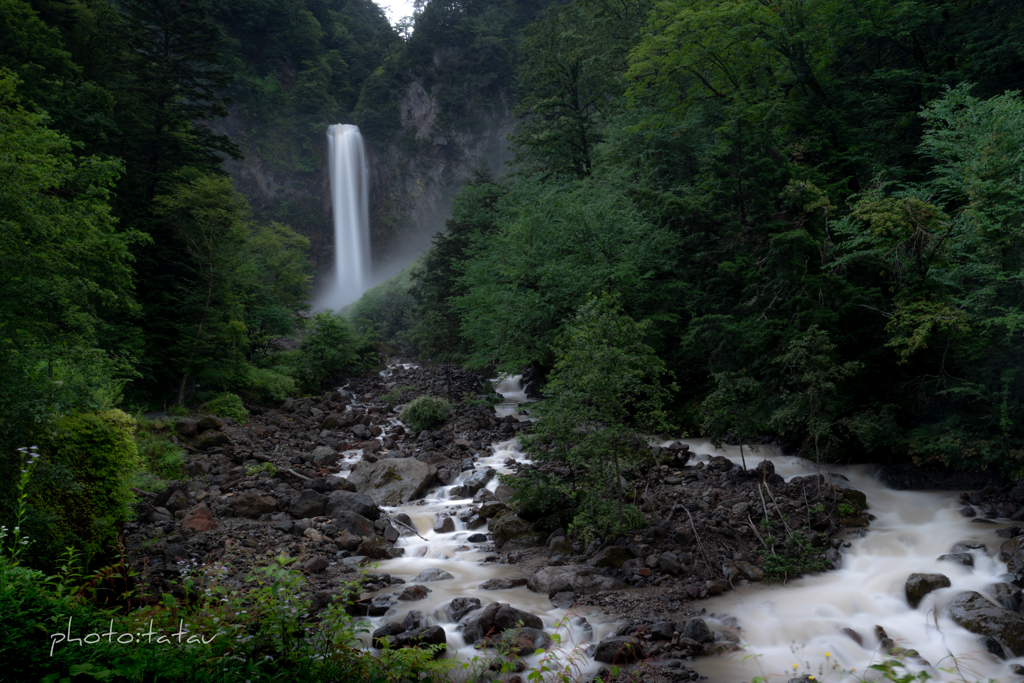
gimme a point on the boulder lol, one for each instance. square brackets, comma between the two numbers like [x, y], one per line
[422, 637]
[508, 617]
[523, 641]
[209, 422]
[176, 501]
[503, 493]
[477, 481]
[495, 618]
[491, 509]
[697, 630]
[749, 571]
[433, 574]
[1012, 553]
[379, 548]
[388, 630]
[976, 614]
[444, 525]
[611, 557]
[413, 593]
[200, 519]
[359, 503]
[1007, 595]
[252, 505]
[920, 585]
[583, 579]
[502, 583]
[186, 427]
[347, 541]
[314, 565]
[965, 559]
[619, 650]
[512, 533]
[460, 607]
[333, 421]
[355, 524]
[394, 481]
[307, 503]
[324, 455]
[212, 439]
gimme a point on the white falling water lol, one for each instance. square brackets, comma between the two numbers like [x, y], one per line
[350, 201]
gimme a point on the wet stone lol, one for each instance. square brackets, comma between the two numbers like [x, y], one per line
[433, 574]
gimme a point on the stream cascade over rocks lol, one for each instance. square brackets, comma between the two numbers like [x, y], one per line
[421, 522]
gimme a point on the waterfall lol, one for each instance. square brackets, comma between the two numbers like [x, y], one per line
[350, 202]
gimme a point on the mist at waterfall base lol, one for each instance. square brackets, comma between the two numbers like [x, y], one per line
[346, 160]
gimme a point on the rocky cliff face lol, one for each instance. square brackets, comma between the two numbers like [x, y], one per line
[412, 179]
[415, 177]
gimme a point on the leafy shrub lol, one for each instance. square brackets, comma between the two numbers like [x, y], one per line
[269, 384]
[426, 412]
[82, 487]
[399, 394]
[263, 467]
[228, 405]
[178, 410]
[330, 351]
[161, 457]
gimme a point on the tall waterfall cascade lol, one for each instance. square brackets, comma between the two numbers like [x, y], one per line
[350, 203]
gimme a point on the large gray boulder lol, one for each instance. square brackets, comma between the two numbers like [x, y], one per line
[494, 619]
[394, 481]
[619, 650]
[307, 503]
[1012, 553]
[252, 505]
[359, 503]
[512, 533]
[920, 585]
[582, 579]
[357, 525]
[976, 614]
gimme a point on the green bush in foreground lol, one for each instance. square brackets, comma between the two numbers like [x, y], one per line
[269, 384]
[426, 412]
[81, 490]
[228, 405]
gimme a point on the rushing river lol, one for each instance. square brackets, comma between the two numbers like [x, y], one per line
[805, 622]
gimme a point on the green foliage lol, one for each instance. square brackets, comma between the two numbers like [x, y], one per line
[386, 310]
[330, 351]
[425, 412]
[734, 407]
[227, 405]
[267, 467]
[571, 75]
[81, 490]
[789, 557]
[556, 243]
[269, 385]
[177, 410]
[605, 392]
[437, 334]
[64, 276]
[160, 457]
[400, 394]
[811, 400]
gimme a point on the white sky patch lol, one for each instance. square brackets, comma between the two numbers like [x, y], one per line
[396, 9]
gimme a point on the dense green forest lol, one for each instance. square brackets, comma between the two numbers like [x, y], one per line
[812, 210]
[800, 220]
[818, 206]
